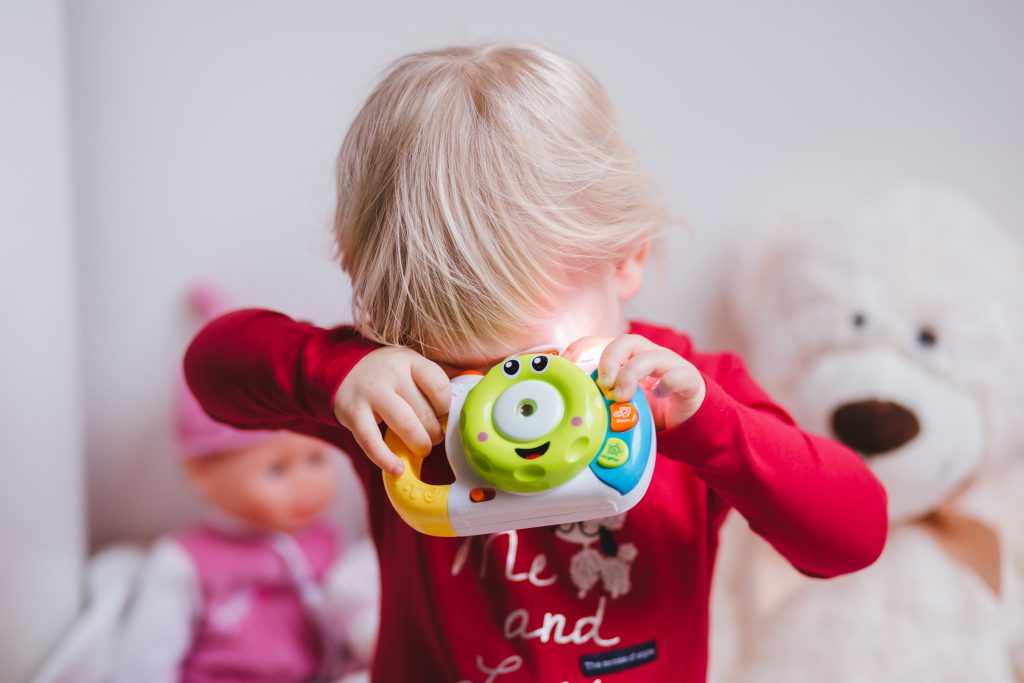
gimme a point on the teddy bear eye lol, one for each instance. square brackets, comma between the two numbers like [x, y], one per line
[510, 368]
[927, 337]
[859, 319]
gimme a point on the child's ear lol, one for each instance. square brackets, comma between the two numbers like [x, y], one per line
[629, 272]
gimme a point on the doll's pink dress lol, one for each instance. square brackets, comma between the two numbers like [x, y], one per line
[221, 603]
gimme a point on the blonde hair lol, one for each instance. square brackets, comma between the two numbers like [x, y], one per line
[476, 184]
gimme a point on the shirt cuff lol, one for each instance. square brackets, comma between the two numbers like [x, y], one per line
[706, 432]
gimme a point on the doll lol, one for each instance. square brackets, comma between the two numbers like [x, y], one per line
[239, 597]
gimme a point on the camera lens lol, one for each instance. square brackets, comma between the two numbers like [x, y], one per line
[527, 407]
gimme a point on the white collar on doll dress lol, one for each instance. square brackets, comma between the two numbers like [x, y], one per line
[229, 525]
[313, 599]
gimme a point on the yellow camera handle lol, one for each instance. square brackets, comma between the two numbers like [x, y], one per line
[423, 506]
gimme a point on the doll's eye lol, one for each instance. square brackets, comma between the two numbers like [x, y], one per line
[859, 320]
[277, 469]
[316, 458]
[539, 364]
[510, 368]
[927, 337]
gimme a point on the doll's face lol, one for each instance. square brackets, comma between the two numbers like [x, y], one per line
[280, 484]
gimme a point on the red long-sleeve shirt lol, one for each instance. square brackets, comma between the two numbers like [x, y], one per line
[622, 600]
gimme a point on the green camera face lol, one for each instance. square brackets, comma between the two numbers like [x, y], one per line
[533, 423]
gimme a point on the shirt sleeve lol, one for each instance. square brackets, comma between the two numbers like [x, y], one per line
[158, 629]
[813, 499]
[258, 369]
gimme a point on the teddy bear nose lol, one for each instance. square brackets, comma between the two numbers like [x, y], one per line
[874, 427]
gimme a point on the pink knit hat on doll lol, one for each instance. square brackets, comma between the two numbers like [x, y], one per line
[197, 434]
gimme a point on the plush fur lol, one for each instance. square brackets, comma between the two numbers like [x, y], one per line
[908, 311]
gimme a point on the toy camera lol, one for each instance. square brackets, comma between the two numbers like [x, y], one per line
[534, 442]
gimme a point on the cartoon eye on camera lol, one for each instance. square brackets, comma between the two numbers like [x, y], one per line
[533, 442]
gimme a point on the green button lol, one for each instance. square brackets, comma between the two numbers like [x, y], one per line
[614, 454]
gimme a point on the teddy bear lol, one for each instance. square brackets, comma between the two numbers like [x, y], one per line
[896, 328]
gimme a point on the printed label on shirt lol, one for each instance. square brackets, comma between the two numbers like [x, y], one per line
[621, 659]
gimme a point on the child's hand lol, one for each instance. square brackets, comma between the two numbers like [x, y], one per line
[674, 387]
[399, 387]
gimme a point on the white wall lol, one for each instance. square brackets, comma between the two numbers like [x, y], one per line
[42, 531]
[205, 133]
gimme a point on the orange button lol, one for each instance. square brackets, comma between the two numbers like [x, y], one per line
[624, 416]
[479, 495]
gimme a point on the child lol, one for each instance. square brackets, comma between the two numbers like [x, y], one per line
[487, 204]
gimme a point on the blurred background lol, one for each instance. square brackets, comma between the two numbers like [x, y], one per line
[145, 145]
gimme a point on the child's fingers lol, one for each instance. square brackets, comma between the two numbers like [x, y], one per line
[433, 381]
[367, 434]
[399, 416]
[656, 362]
[585, 346]
[423, 409]
[620, 350]
[684, 381]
